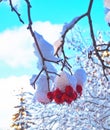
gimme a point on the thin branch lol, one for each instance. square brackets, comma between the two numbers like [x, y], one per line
[72, 24]
[43, 59]
[33, 84]
[13, 9]
[93, 38]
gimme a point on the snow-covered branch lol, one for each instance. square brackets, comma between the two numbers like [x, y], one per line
[43, 50]
[69, 26]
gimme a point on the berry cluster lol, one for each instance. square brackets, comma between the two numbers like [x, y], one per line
[67, 96]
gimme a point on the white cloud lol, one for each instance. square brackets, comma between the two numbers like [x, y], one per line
[9, 88]
[51, 32]
[16, 44]
[16, 47]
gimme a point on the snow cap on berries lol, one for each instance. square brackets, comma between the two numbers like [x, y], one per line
[80, 75]
[64, 80]
[72, 80]
[42, 90]
[61, 81]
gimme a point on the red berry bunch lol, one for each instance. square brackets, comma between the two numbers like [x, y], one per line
[67, 96]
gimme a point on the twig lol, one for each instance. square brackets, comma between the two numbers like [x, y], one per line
[36, 78]
[13, 9]
[43, 59]
[76, 20]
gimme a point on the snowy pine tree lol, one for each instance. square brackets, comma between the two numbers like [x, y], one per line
[21, 119]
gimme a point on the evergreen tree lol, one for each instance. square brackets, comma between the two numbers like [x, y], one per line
[20, 119]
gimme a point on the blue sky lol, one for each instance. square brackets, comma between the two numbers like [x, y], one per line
[56, 12]
[17, 61]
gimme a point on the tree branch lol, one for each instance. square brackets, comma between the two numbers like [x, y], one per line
[72, 24]
[44, 68]
[13, 9]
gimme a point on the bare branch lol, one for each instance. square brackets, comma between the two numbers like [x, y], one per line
[33, 84]
[17, 13]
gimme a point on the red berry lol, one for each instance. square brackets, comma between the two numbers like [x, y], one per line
[68, 89]
[58, 96]
[75, 95]
[79, 89]
[50, 95]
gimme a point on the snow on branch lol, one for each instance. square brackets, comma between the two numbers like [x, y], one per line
[69, 26]
[94, 106]
[43, 50]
